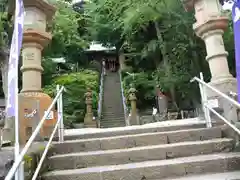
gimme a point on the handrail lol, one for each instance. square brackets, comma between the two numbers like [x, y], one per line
[20, 157]
[100, 96]
[216, 91]
[207, 108]
[123, 100]
[224, 119]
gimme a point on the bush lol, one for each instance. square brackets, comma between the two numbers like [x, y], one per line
[76, 85]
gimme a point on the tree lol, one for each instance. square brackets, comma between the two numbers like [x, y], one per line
[159, 40]
[5, 38]
[66, 41]
[102, 24]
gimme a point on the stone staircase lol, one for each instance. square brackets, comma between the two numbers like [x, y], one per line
[180, 149]
[112, 112]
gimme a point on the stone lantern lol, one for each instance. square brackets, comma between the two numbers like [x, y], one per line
[133, 100]
[88, 120]
[37, 14]
[210, 25]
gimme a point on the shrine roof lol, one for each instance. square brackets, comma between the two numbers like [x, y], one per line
[99, 47]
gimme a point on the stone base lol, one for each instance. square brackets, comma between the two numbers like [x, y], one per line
[91, 125]
[89, 122]
[28, 102]
[8, 135]
[134, 120]
[8, 131]
[225, 85]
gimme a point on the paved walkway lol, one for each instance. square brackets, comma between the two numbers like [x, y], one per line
[71, 132]
[219, 176]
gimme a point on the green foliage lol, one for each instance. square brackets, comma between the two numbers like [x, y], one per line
[73, 99]
[161, 46]
[49, 71]
[66, 41]
[156, 35]
[145, 86]
[102, 24]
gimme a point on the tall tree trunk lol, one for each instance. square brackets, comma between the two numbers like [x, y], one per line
[196, 66]
[166, 65]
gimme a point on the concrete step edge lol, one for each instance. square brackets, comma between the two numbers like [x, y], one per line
[107, 121]
[232, 175]
[138, 129]
[112, 121]
[161, 146]
[143, 134]
[122, 124]
[169, 163]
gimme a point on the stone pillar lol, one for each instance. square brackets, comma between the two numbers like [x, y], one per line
[35, 38]
[133, 100]
[88, 120]
[210, 26]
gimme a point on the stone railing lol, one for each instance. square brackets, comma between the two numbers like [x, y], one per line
[124, 100]
[100, 96]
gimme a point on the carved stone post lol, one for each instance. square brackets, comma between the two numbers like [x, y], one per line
[210, 26]
[133, 99]
[88, 120]
[35, 37]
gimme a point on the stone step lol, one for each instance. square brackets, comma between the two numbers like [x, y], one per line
[109, 118]
[122, 123]
[110, 88]
[112, 119]
[153, 127]
[111, 126]
[138, 154]
[110, 98]
[112, 84]
[113, 110]
[115, 102]
[104, 126]
[109, 106]
[113, 95]
[137, 140]
[111, 113]
[235, 175]
[153, 170]
[119, 114]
